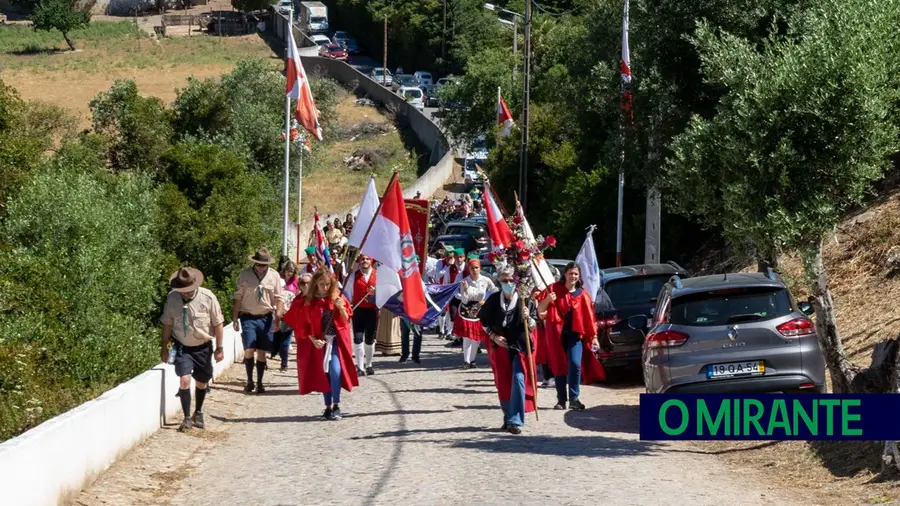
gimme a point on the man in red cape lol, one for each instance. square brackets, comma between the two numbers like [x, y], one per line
[321, 323]
[570, 327]
[503, 318]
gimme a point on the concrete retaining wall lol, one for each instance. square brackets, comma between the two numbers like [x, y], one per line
[58, 458]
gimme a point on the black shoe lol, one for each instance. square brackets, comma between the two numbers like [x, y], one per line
[197, 419]
[576, 404]
[260, 389]
[465, 367]
[336, 413]
[186, 424]
[403, 360]
[416, 360]
[370, 371]
[250, 386]
[505, 426]
[560, 405]
[327, 414]
[283, 368]
[360, 372]
[472, 365]
[514, 429]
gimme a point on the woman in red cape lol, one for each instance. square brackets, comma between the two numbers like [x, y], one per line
[321, 323]
[570, 327]
[541, 356]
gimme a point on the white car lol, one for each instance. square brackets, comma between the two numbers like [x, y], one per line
[478, 149]
[285, 6]
[382, 76]
[445, 80]
[423, 77]
[413, 96]
[320, 40]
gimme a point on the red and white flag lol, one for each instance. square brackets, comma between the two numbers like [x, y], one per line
[501, 235]
[626, 70]
[298, 89]
[504, 118]
[390, 242]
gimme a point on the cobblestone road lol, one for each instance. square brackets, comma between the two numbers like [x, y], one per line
[417, 434]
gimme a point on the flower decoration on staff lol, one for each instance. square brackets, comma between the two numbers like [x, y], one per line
[522, 252]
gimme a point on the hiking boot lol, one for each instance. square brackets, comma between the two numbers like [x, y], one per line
[250, 386]
[198, 420]
[260, 389]
[370, 371]
[514, 429]
[186, 424]
[560, 405]
[336, 413]
[576, 404]
[327, 414]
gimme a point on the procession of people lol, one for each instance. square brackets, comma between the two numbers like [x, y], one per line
[529, 330]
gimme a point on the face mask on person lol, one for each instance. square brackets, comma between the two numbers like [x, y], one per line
[508, 287]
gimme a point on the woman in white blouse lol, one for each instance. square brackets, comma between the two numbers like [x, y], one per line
[473, 291]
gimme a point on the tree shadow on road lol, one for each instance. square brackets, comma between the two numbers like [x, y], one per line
[445, 390]
[565, 446]
[309, 418]
[610, 418]
[411, 432]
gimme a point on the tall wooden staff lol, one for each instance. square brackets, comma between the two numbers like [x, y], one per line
[530, 357]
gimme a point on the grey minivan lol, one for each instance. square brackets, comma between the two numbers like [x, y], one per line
[730, 333]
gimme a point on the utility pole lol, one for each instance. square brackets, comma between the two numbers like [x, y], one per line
[444, 35]
[515, 48]
[384, 74]
[523, 167]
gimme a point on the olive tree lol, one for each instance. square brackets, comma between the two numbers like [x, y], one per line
[62, 15]
[804, 127]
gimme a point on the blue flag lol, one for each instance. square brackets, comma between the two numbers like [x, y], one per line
[438, 296]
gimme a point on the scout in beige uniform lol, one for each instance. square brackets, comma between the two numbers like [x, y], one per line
[192, 316]
[258, 306]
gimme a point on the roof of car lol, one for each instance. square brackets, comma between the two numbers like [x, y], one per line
[448, 237]
[558, 261]
[473, 224]
[637, 270]
[725, 281]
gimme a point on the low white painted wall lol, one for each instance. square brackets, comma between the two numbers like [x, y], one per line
[56, 459]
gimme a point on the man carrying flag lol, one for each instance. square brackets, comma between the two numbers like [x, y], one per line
[393, 247]
[360, 287]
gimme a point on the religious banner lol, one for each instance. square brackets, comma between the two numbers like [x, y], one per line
[418, 211]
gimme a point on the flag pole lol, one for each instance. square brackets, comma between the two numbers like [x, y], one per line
[371, 223]
[302, 138]
[531, 365]
[625, 65]
[356, 250]
[287, 149]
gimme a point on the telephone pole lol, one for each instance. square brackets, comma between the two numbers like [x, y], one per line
[384, 74]
[523, 167]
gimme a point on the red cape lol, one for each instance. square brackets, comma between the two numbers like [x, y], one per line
[540, 354]
[583, 323]
[501, 366]
[306, 320]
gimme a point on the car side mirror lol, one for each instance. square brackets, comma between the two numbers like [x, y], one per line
[638, 322]
[806, 308]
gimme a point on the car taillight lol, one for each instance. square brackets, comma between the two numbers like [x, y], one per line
[608, 322]
[666, 339]
[797, 328]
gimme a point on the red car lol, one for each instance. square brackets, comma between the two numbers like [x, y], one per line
[334, 51]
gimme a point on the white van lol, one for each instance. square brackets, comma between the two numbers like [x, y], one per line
[413, 95]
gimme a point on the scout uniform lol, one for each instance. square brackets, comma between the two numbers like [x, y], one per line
[258, 297]
[193, 323]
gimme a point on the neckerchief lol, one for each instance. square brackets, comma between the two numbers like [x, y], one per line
[259, 288]
[508, 307]
[184, 314]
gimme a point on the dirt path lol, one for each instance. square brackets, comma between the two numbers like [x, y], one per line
[419, 434]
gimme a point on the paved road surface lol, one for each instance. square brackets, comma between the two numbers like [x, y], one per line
[417, 434]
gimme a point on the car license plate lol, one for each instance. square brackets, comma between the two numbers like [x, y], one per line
[732, 369]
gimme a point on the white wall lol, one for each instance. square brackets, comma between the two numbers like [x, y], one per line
[62, 455]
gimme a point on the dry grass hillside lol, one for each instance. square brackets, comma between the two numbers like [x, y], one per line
[866, 289]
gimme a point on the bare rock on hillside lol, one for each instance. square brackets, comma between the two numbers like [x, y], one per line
[366, 159]
[892, 261]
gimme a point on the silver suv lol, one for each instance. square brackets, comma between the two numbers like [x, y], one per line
[730, 333]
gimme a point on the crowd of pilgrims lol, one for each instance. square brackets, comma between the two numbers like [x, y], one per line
[332, 322]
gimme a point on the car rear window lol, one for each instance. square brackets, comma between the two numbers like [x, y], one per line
[412, 94]
[731, 306]
[635, 290]
[475, 232]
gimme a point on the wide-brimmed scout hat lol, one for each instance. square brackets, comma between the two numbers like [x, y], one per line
[262, 256]
[186, 280]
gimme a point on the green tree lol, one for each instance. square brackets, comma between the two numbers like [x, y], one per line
[139, 127]
[62, 15]
[806, 125]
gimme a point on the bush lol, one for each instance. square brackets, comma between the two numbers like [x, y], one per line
[80, 285]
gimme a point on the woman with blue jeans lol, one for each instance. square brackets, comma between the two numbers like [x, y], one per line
[321, 322]
[571, 333]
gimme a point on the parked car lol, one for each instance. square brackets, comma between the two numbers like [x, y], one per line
[445, 80]
[472, 176]
[478, 149]
[558, 265]
[340, 36]
[730, 333]
[382, 76]
[334, 51]
[403, 80]
[413, 95]
[430, 91]
[423, 77]
[320, 40]
[351, 46]
[625, 292]
[476, 230]
[285, 6]
[464, 241]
